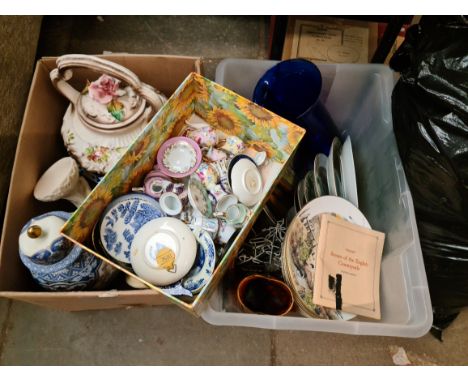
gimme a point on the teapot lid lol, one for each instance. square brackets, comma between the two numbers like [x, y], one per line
[106, 105]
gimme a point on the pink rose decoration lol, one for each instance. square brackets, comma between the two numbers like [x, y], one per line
[104, 89]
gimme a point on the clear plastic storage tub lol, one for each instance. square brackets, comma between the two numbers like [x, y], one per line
[359, 99]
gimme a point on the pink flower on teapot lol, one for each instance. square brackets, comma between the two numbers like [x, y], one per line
[205, 136]
[104, 89]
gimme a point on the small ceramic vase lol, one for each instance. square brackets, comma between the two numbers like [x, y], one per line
[62, 181]
[170, 204]
[55, 263]
[233, 145]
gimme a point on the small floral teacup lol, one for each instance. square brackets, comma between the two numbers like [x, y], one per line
[233, 145]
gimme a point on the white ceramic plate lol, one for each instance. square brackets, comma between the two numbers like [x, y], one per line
[333, 169]
[321, 187]
[204, 265]
[348, 173]
[163, 251]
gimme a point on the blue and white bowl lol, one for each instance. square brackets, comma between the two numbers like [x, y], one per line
[204, 265]
[120, 222]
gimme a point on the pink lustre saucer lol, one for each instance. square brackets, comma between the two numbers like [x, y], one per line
[179, 157]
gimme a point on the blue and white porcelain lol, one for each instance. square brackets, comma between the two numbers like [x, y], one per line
[61, 266]
[46, 245]
[204, 265]
[121, 221]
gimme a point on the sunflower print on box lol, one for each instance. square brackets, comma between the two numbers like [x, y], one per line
[226, 111]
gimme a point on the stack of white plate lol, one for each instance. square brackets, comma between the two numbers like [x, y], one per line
[334, 175]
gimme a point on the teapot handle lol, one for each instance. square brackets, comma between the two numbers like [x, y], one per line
[63, 73]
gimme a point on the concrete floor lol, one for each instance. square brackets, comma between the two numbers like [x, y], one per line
[31, 335]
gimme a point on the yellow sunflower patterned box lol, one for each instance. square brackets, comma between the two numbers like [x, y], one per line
[225, 111]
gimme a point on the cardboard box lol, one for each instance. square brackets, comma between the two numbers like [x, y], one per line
[225, 111]
[40, 145]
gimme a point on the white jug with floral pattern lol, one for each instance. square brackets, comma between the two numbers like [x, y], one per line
[107, 116]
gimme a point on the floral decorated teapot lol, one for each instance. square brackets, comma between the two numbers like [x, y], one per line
[107, 116]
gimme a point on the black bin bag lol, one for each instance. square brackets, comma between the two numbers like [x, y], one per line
[430, 117]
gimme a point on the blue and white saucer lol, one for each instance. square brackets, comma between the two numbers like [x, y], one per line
[204, 265]
[122, 219]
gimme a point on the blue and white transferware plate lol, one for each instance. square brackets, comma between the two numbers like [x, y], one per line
[204, 265]
[122, 219]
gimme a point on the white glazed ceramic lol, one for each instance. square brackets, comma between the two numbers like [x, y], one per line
[246, 182]
[198, 197]
[321, 175]
[40, 238]
[348, 173]
[163, 251]
[226, 201]
[121, 221]
[62, 181]
[225, 232]
[170, 204]
[211, 225]
[134, 283]
[333, 169]
[90, 130]
[204, 265]
[258, 156]
[236, 215]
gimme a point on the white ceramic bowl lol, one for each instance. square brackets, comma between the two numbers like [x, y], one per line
[163, 251]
